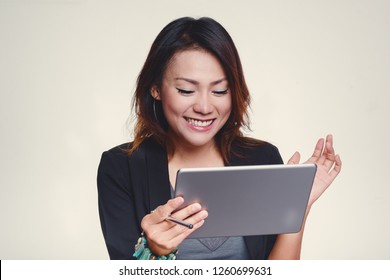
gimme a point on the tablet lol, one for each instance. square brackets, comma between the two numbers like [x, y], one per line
[248, 200]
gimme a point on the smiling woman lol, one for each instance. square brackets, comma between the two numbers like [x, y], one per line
[206, 39]
[191, 102]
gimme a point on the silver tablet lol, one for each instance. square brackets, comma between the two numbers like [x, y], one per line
[248, 200]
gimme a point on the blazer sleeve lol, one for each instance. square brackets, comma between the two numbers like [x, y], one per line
[116, 205]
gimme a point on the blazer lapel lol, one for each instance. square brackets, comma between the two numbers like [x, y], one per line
[149, 177]
[157, 175]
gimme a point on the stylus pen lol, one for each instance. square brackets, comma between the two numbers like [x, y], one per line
[180, 222]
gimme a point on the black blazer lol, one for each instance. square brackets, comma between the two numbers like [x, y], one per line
[129, 187]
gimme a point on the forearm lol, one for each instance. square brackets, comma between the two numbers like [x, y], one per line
[288, 246]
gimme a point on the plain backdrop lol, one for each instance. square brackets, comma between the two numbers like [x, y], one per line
[67, 74]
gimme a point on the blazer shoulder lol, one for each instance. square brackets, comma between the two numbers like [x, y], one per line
[115, 159]
[120, 150]
[256, 152]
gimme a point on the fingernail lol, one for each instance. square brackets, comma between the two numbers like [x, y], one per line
[179, 200]
[196, 207]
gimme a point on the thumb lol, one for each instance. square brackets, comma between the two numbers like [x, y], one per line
[296, 157]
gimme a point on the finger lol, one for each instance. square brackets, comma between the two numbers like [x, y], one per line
[168, 242]
[197, 220]
[163, 211]
[318, 150]
[336, 169]
[193, 220]
[296, 157]
[328, 148]
[188, 211]
[175, 233]
[154, 224]
[329, 155]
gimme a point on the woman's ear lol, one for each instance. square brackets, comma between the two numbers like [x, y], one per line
[155, 92]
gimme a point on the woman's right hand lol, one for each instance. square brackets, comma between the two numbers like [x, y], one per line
[163, 236]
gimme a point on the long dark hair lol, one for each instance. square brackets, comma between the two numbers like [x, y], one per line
[183, 34]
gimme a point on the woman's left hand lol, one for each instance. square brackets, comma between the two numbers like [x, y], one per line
[328, 166]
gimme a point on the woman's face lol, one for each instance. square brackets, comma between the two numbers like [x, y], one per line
[195, 98]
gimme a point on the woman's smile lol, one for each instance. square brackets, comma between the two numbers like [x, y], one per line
[199, 124]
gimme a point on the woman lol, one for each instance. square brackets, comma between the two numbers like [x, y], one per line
[191, 102]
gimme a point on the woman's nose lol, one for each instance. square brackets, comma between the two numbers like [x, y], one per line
[203, 104]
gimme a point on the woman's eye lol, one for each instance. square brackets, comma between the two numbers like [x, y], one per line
[183, 91]
[220, 92]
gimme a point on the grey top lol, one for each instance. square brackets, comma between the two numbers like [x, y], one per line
[222, 248]
[217, 248]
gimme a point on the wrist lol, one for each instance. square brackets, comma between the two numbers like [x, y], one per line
[155, 249]
[143, 252]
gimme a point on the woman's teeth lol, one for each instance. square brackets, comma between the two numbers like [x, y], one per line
[199, 123]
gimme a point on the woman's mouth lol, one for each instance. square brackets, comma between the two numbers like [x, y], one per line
[199, 123]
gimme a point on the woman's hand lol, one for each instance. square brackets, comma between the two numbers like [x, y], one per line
[163, 236]
[328, 166]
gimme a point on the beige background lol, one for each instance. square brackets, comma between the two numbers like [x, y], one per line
[67, 71]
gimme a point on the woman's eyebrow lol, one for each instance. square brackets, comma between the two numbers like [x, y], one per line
[197, 83]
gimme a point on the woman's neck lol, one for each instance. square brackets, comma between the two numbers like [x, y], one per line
[205, 156]
[197, 156]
